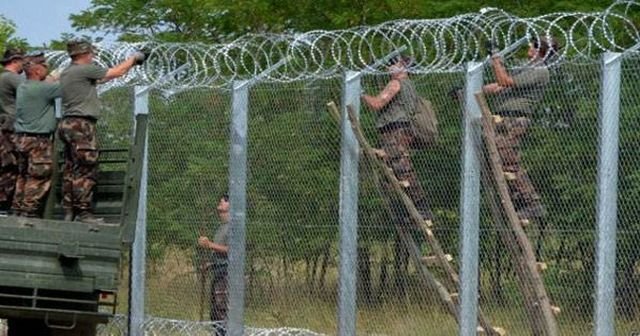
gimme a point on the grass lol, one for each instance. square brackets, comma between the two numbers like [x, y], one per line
[173, 291]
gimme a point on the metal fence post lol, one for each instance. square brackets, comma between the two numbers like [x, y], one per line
[138, 250]
[237, 198]
[349, 156]
[470, 203]
[607, 206]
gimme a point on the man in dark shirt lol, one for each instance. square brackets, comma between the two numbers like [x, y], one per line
[77, 129]
[220, 248]
[10, 79]
[34, 125]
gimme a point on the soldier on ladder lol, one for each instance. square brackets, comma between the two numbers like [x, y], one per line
[515, 98]
[393, 104]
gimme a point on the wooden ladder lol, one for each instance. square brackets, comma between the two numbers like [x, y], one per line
[447, 293]
[540, 312]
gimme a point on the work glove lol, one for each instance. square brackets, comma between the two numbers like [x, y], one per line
[141, 56]
[491, 48]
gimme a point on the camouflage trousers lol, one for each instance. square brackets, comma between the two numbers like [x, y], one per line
[219, 302]
[509, 135]
[8, 167]
[80, 162]
[35, 165]
[396, 144]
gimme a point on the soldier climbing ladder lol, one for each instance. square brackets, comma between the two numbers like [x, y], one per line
[511, 230]
[448, 292]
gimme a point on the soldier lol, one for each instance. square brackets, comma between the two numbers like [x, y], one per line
[515, 98]
[10, 79]
[393, 104]
[220, 248]
[34, 126]
[77, 129]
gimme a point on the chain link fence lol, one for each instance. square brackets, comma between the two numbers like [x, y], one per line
[292, 271]
[292, 241]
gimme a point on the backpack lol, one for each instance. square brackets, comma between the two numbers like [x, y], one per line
[424, 124]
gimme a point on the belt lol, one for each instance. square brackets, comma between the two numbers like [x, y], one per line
[512, 113]
[36, 135]
[91, 119]
[394, 126]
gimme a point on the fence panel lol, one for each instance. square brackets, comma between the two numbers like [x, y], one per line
[394, 298]
[559, 153]
[292, 216]
[188, 169]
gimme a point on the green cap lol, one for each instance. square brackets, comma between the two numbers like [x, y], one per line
[79, 48]
[12, 54]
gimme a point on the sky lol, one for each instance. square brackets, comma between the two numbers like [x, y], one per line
[40, 21]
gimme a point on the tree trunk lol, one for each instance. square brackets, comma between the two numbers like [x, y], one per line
[497, 293]
[323, 269]
[399, 257]
[365, 288]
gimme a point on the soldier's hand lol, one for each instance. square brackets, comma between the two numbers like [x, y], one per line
[204, 241]
[141, 56]
[492, 48]
[456, 93]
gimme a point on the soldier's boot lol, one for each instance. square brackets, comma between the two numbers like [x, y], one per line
[89, 218]
[68, 215]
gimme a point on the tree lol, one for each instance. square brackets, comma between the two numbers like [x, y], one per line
[220, 20]
[7, 35]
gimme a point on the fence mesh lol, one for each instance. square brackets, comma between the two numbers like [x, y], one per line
[559, 155]
[292, 241]
[292, 268]
[188, 164]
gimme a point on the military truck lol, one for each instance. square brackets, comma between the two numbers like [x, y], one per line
[59, 277]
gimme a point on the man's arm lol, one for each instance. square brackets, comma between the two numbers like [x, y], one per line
[120, 69]
[208, 244]
[385, 96]
[492, 88]
[502, 76]
[54, 90]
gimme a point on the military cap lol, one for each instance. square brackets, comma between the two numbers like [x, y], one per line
[12, 54]
[79, 47]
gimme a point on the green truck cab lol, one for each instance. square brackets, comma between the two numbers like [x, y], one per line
[59, 277]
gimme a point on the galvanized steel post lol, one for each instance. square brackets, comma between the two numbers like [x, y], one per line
[237, 199]
[607, 197]
[139, 247]
[349, 157]
[470, 202]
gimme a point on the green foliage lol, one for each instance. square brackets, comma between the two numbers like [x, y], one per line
[7, 35]
[219, 20]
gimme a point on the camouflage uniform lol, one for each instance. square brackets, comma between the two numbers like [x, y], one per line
[219, 281]
[8, 166]
[523, 193]
[77, 130]
[396, 139]
[9, 83]
[515, 104]
[81, 161]
[34, 124]
[34, 172]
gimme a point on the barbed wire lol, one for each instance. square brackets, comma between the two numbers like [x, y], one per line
[162, 326]
[436, 45]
